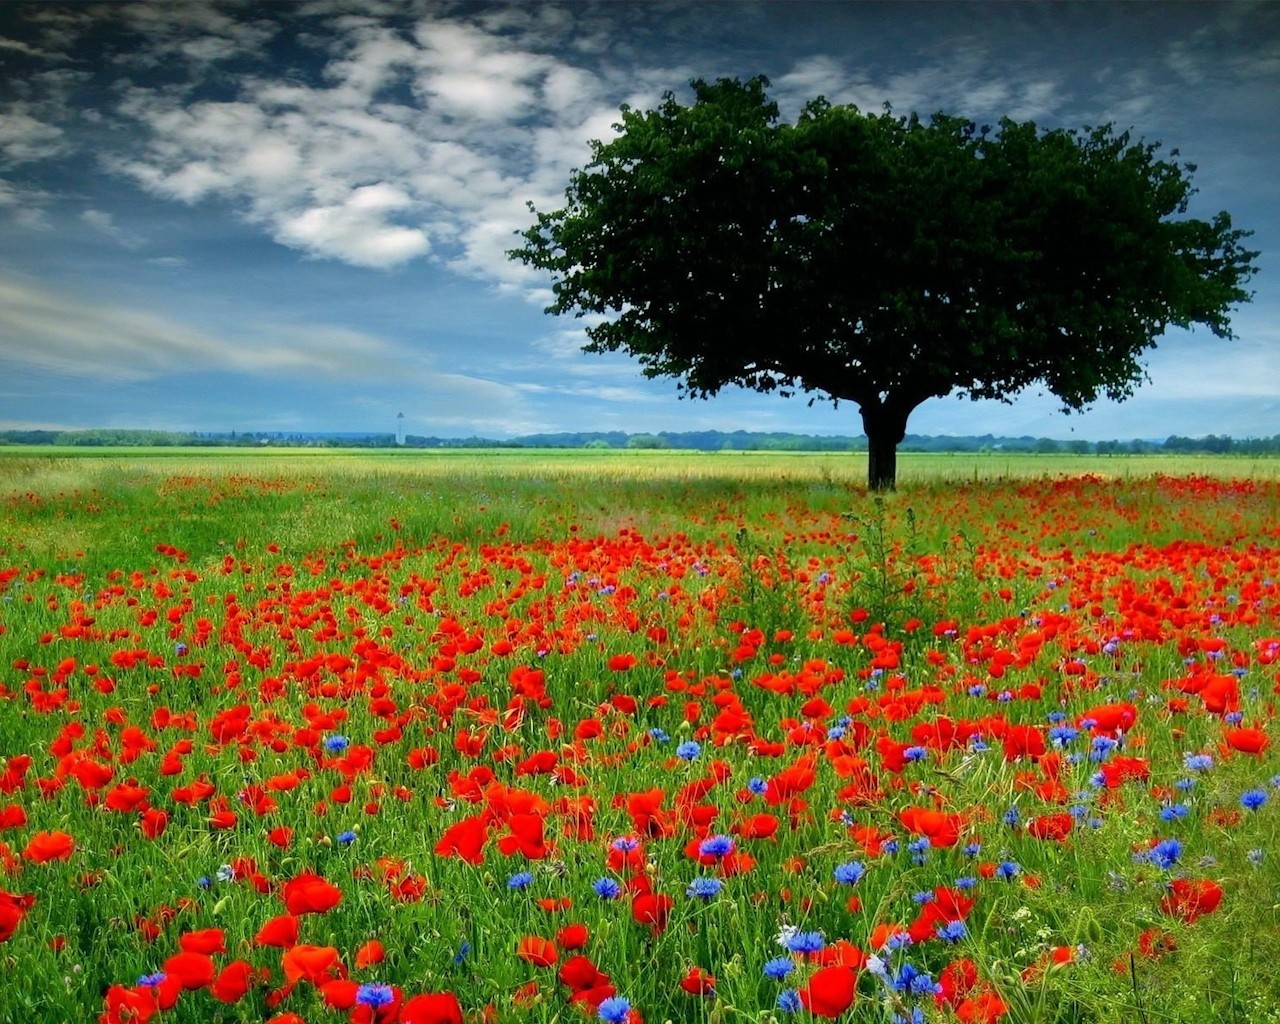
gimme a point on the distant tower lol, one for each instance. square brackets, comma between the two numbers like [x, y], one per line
[400, 429]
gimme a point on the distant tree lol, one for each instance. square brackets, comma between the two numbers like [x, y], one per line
[881, 260]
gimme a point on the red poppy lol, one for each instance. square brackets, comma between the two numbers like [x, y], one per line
[652, 909]
[280, 931]
[538, 951]
[128, 1005]
[372, 952]
[1191, 898]
[698, 982]
[432, 1008]
[572, 936]
[1247, 740]
[465, 839]
[13, 908]
[234, 981]
[193, 970]
[47, 846]
[830, 991]
[206, 941]
[308, 893]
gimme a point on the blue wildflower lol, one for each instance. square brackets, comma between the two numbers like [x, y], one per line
[614, 1010]
[789, 1001]
[374, 995]
[336, 744]
[778, 968]
[688, 750]
[952, 931]
[805, 942]
[1198, 762]
[757, 785]
[849, 873]
[704, 888]
[520, 880]
[607, 888]
[346, 838]
[1165, 854]
[1008, 870]
[716, 846]
[1252, 799]
[915, 754]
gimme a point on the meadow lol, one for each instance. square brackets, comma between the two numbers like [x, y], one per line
[650, 736]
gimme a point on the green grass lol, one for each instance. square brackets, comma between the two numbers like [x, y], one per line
[242, 574]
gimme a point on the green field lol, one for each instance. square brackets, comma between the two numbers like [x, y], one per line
[624, 736]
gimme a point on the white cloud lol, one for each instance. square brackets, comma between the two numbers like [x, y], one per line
[105, 223]
[24, 138]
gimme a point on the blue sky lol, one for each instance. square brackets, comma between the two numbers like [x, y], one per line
[293, 216]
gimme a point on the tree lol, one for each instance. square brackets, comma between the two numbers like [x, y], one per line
[881, 260]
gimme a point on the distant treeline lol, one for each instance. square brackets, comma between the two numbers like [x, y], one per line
[698, 440]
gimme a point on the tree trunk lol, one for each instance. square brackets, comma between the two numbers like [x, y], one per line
[885, 424]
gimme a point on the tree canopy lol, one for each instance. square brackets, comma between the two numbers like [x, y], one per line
[881, 260]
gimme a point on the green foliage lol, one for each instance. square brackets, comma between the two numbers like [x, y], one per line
[881, 260]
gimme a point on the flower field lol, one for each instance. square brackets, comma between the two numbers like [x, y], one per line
[419, 742]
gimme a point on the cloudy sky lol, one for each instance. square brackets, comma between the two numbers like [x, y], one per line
[293, 216]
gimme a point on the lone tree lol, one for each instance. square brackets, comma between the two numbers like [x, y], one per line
[881, 260]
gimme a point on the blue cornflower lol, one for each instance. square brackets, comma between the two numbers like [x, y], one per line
[778, 968]
[346, 838]
[607, 888]
[1061, 735]
[204, 882]
[889, 846]
[1173, 812]
[520, 880]
[704, 888]
[915, 754]
[1165, 853]
[336, 744]
[374, 994]
[805, 942]
[152, 980]
[952, 931]
[625, 844]
[966, 882]
[972, 849]
[716, 846]
[1252, 799]
[916, 1016]
[977, 690]
[1198, 762]
[463, 952]
[849, 873]
[836, 732]
[789, 1001]
[1008, 870]
[757, 785]
[658, 735]
[922, 897]
[898, 940]
[688, 750]
[614, 1010]
[1012, 817]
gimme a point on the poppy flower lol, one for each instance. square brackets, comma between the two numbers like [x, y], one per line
[206, 941]
[652, 909]
[128, 1005]
[830, 991]
[280, 931]
[192, 970]
[308, 893]
[572, 936]
[698, 982]
[13, 908]
[432, 1008]
[315, 964]
[47, 846]
[538, 951]
[372, 952]
[234, 981]
[1189, 899]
